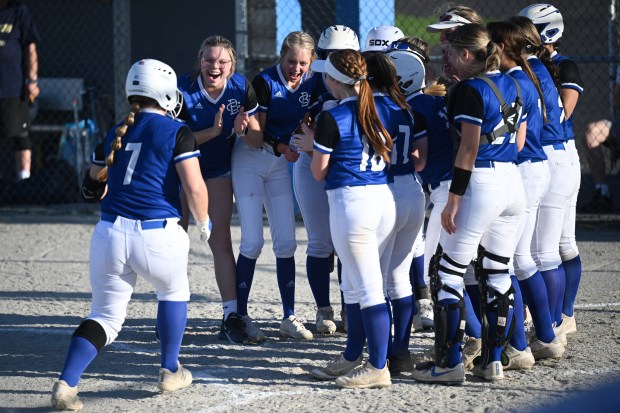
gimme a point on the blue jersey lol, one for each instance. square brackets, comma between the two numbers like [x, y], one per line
[532, 113]
[199, 113]
[552, 131]
[439, 159]
[353, 161]
[475, 102]
[569, 79]
[285, 107]
[400, 124]
[143, 182]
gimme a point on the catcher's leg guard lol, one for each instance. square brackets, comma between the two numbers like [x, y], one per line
[492, 300]
[445, 336]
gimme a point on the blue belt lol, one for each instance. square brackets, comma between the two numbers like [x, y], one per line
[150, 224]
[484, 164]
[559, 146]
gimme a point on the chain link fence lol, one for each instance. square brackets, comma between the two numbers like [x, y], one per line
[86, 50]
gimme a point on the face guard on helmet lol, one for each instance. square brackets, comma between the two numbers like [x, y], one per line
[156, 80]
[409, 69]
[379, 38]
[336, 37]
[547, 19]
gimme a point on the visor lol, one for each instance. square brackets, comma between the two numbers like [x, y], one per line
[325, 66]
[447, 21]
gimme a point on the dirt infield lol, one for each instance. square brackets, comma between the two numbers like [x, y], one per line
[45, 292]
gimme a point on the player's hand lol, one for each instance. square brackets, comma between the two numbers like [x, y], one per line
[241, 121]
[205, 230]
[449, 213]
[216, 129]
[304, 142]
[289, 153]
[33, 92]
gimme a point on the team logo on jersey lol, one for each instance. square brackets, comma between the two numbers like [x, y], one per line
[278, 94]
[198, 106]
[304, 99]
[233, 106]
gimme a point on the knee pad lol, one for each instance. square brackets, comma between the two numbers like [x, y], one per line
[93, 332]
[22, 142]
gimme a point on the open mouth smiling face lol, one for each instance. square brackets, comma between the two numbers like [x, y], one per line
[216, 66]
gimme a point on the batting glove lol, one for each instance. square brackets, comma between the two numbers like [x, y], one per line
[205, 230]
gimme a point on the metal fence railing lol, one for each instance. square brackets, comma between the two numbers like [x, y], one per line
[86, 49]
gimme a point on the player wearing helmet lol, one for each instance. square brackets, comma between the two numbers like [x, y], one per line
[548, 20]
[379, 38]
[149, 157]
[312, 198]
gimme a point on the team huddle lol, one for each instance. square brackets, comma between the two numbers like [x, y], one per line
[371, 138]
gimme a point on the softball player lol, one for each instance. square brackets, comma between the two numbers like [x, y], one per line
[483, 211]
[261, 177]
[379, 38]
[215, 103]
[351, 153]
[548, 20]
[534, 171]
[312, 198]
[563, 179]
[148, 157]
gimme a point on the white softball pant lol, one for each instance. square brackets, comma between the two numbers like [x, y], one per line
[568, 242]
[399, 250]
[260, 178]
[314, 207]
[553, 206]
[488, 215]
[535, 177]
[361, 220]
[122, 250]
[439, 198]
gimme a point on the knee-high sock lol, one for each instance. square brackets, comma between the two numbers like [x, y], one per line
[285, 269]
[356, 335]
[416, 273]
[171, 321]
[557, 314]
[552, 283]
[473, 291]
[454, 318]
[79, 356]
[572, 268]
[518, 339]
[535, 296]
[495, 352]
[318, 278]
[472, 322]
[402, 310]
[377, 325]
[245, 275]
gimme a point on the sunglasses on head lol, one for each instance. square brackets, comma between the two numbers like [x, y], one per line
[402, 45]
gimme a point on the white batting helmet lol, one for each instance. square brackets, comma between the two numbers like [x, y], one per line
[409, 69]
[338, 37]
[547, 19]
[156, 80]
[379, 38]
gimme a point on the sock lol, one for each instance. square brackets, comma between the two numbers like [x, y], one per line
[23, 174]
[495, 352]
[421, 293]
[518, 339]
[390, 343]
[318, 278]
[79, 356]
[416, 272]
[245, 275]
[171, 320]
[377, 325]
[229, 307]
[534, 294]
[454, 318]
[402, 310]
[473, 291]
[557, 314]
[285, 270]
[356, 335]
[572, 268]
[472, 323]
[552, 282]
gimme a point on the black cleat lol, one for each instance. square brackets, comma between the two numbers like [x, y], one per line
[233, 329]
